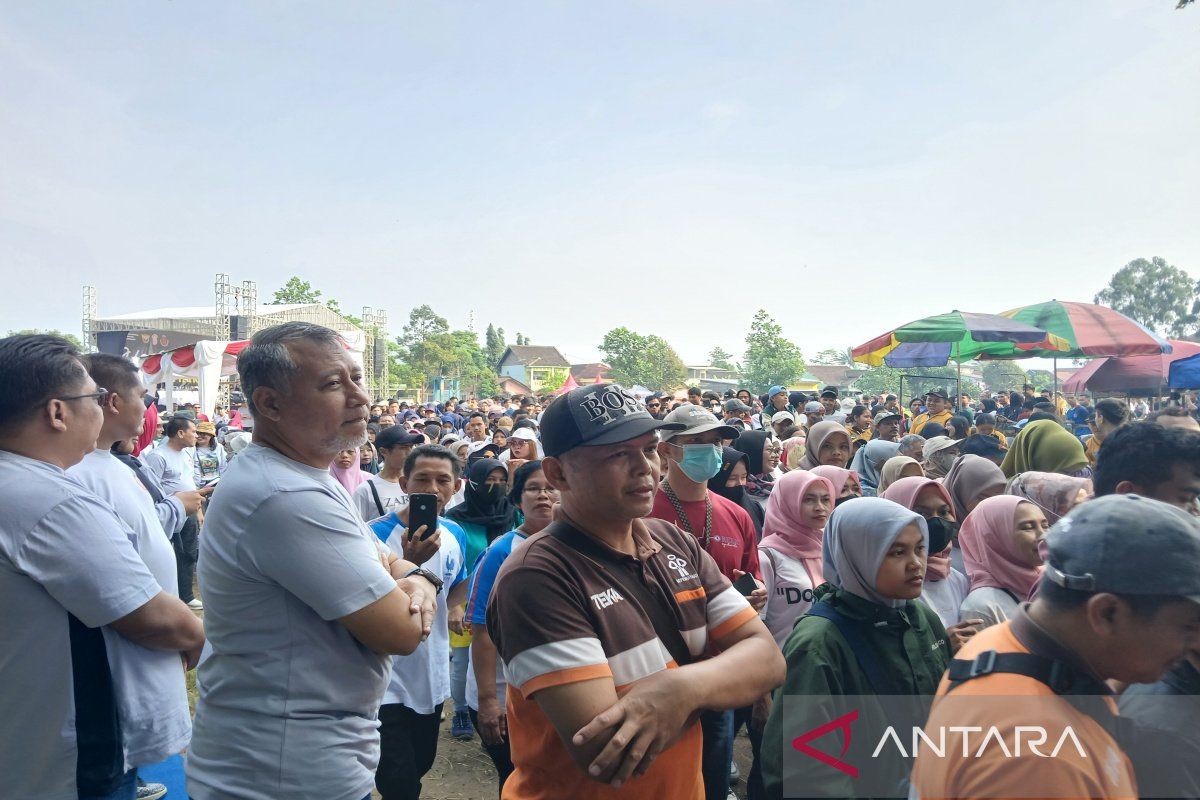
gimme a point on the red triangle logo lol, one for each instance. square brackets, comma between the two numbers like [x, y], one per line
[842, 724]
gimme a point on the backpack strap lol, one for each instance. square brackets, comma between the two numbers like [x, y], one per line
[864, 653]
[375, 494]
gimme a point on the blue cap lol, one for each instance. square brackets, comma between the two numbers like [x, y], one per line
[774, 390]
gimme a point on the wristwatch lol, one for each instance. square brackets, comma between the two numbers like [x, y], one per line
[427, 575]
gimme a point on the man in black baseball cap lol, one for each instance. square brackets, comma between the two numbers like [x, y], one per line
[1119, 600]
[937, 409]
[381, 494]
[829, 399]
[603, 580]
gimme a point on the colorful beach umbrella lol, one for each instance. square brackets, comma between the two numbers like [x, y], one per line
[958, 336]
[1087, 329]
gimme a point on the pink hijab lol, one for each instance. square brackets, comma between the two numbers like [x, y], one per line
[838, 477]
[352, 476]
[905, 492]
[782, 528]
[986, 539]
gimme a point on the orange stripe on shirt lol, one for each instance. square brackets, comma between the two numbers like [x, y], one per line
[733, 623]
[689, 594]
[564, 676]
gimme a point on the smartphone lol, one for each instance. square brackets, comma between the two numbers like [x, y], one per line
[746, 584]
[422, 510]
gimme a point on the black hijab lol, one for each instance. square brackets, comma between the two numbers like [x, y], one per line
[752, 443]
[729, 460]
[488, 507]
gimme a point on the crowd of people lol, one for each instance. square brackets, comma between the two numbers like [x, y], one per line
[608, 587]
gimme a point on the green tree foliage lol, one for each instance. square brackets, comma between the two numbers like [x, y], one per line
[645, 360]
[1004, 376]
[1041, 379]
[494, 344]
[721, 358]
[426, 348]
[1156, 294]
[70, 337]
[834, 357]
[522, 339]
[770, 358]
[555, 380]
[298, 291]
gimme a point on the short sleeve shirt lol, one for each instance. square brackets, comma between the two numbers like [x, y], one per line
[289, 699]
[421, 680]
[732, 541]
[173, 469]
[558, 617]
[483, 578]
[149, 685]
[391, 497]
[48, 522]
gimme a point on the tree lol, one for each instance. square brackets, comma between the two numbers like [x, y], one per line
[555, 380]
[645, 360]
[522, 339]
[1154, 293]
[721, 358]
[1041, 379]
[834, 357]
[298, 292]
[1004, 376]
[770, 358]
[70, 337]
[494, 344]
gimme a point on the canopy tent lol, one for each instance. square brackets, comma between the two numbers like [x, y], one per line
[1184, 373]
[208, 361]
[1130, 374]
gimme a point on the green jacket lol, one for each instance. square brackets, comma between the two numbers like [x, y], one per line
[910, 645]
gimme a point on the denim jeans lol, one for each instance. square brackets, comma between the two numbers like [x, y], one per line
[460, 662]
[127, 790]
[717, 727]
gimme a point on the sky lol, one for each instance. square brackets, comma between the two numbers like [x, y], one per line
[564, 168]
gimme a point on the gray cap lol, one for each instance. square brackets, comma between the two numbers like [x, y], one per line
[694, 420]
[1126, 544]
[782, 416]
[735, 406]
[812, 407]
[887, 416]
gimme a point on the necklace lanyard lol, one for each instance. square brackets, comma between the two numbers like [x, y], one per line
[686, 523]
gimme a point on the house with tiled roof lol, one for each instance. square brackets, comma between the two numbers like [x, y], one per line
[533, 365]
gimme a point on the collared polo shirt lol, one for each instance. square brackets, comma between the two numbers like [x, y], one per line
[558, 616]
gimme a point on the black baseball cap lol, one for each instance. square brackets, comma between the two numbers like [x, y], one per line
[938, 393]
[600, 413]
[1117, 544]
[397, 436]
[829, 391]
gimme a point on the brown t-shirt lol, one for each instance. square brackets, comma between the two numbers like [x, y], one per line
[557, 616]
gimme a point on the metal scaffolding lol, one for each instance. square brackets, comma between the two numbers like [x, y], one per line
[89, 315]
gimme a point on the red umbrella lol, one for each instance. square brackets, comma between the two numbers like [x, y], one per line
[1129, 374]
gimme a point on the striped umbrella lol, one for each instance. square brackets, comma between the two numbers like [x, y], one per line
[1089, 331]
[959, 336]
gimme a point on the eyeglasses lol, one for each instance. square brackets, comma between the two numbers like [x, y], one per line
[100, 396]
[535, 490]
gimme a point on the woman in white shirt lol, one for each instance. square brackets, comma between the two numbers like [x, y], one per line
[999, 541]
[790, 551]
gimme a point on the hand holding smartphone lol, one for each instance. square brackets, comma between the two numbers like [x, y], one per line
[422, 511]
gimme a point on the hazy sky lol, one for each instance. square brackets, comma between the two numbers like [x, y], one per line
[565, 168]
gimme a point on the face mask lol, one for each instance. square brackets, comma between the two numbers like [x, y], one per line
[701, 462]
[734, 493]
[492, 495]
[841, 500]
[941, 533]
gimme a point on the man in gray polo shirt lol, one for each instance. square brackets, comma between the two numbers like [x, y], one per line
[303, 605]
[69, 576]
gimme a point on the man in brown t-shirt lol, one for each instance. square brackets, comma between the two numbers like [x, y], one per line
[604, 621]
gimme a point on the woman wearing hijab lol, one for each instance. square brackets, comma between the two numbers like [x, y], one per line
[730, 482]
[999, 541]
[1045, 446]
[898, 467]
[846, 483]
[945, 587]
[762, 464]
[939, 452]
[793, 451]
[485, 511]
[828, 443]
[874, 561]
[346, 470]
[368, 459]
[1054, 494]
[868, 463]
[971, 480]
[790, 551]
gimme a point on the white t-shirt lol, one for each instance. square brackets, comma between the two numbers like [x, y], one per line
[946, 597]
[173, 469]
[789, 592]
[289, 699]
[421, 679]
[149, 685]
[989, 604]
[62, 552]
[390, 494]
